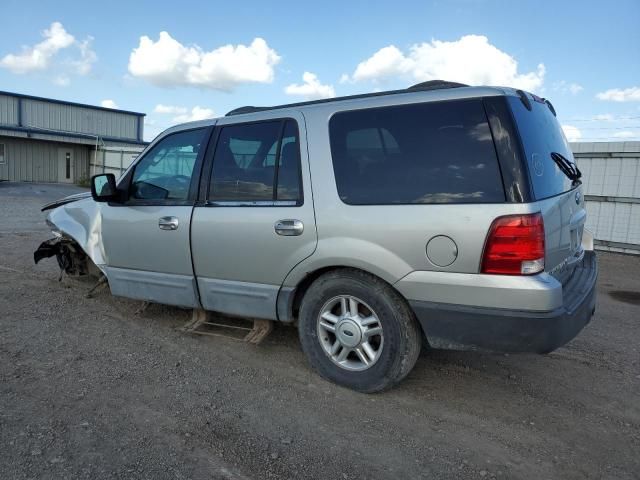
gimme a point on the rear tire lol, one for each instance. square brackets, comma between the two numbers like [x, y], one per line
[341, 312]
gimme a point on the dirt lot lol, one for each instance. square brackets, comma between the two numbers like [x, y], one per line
[90, 389]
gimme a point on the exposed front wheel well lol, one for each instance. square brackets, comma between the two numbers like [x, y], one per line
[70, 256]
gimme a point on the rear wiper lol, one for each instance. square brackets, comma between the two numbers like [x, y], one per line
[567, 167]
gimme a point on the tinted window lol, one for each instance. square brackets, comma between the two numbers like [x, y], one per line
[541, 134]
[289, 164]
[164, 173]
[251, 158]
[423, 153]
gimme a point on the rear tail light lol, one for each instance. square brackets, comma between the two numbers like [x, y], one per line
[515, 245]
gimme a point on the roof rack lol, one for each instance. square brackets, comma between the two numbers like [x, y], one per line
[424, 86]
[436, 85]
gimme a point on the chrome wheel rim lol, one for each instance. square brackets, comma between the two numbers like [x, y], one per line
[350, 333]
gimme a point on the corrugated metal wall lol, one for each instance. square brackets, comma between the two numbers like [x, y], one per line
[78, 119]
[8, 110]
[28, 112]
[611, 179]
[34, 129]
[37, 161]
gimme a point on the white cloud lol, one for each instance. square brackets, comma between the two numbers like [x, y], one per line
[108, 103]
[41, 55]
[572, 133]
[167, 62]
[87, 57]
[183, 114]
[565, 87]
[160, 108]
[386, 62]
[575, 88]
[626, 134]
[631, 94]
[311, 89]
[61, 80]
[471, 59]
[603, 117]
[196, 113]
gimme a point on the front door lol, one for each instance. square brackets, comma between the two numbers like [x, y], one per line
[146, 239]
[65, 165]
[257, 220]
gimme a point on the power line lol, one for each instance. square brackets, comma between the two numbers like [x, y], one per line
[607, 139]
[609, 118]
[630, 127]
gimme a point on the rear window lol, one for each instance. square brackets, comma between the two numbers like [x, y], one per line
[541, 135]
[414, 154]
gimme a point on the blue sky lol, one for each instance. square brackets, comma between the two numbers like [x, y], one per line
[582, 55]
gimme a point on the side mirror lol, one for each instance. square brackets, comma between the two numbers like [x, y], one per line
[103, 187]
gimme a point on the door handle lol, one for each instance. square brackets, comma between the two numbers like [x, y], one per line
[289, 228]
[168, 223]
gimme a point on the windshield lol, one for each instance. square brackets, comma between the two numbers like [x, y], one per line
[543, 139]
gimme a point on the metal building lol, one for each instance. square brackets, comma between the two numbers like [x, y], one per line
[611, 179]
[46, 140]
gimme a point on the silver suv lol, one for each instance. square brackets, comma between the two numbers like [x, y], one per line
[443, 215]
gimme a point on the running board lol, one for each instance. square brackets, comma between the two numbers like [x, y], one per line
[205, 323]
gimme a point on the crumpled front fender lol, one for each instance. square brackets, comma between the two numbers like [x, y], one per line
[82, 221]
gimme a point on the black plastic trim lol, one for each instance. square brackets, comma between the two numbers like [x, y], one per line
[457, 327]
[550, 105]
[524, 99]
[284, 304]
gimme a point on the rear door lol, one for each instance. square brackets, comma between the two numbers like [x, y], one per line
[560, 198]
[256, 219]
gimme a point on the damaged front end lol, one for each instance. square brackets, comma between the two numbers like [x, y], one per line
[71, 259]
[77, 244]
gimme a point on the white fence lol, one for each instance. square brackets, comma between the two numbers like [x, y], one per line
[611, 179]
[112, 159]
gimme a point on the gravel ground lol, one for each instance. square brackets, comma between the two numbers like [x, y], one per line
[91, 389]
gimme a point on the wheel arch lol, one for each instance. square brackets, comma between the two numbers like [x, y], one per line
[290, 298]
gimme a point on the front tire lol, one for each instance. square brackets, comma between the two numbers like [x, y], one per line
[357, 331]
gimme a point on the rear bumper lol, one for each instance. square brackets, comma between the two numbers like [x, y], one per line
[456, 327]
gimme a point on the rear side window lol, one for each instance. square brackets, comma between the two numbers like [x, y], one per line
[257, 162]
[541, 135]
[414, 154]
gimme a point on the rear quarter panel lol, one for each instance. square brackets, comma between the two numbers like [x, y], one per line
[387, 240]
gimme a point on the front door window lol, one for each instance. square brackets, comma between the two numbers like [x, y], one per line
[166, 171]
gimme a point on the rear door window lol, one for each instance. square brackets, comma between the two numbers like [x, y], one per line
[541, 135]
[257, 163]
[439, 152]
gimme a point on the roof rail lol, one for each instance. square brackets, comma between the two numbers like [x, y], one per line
[436, 85]
[424, 86]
